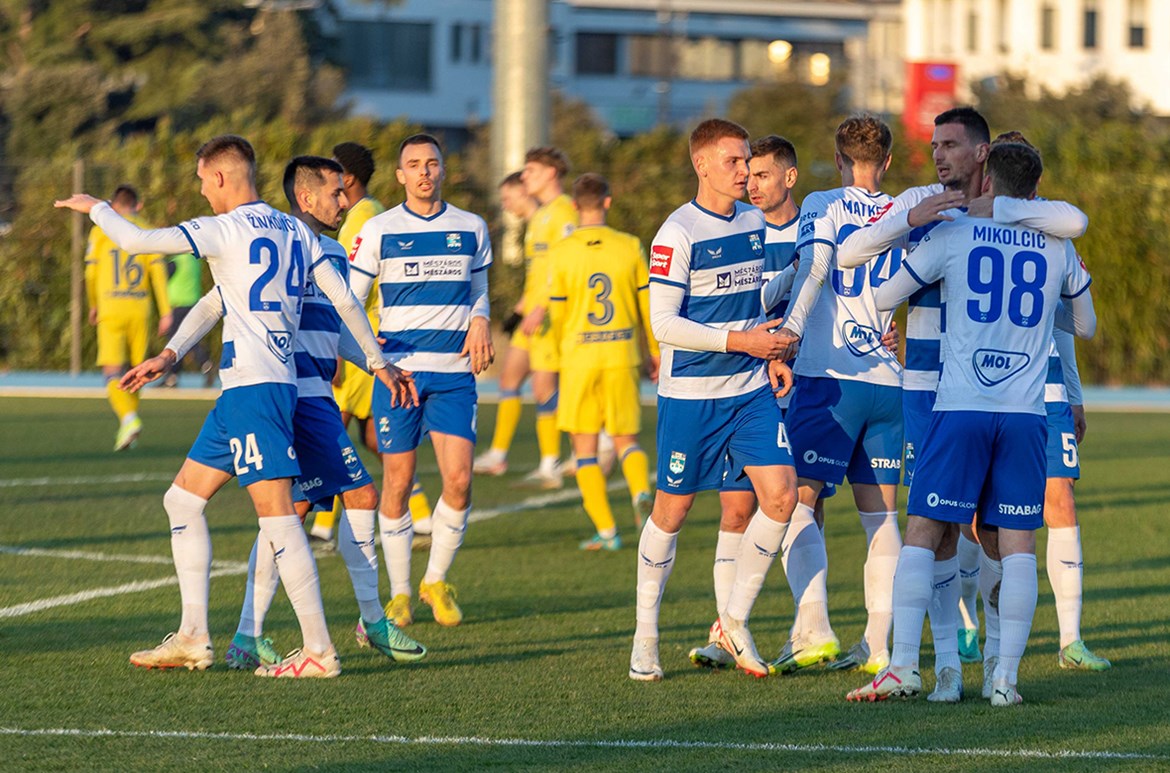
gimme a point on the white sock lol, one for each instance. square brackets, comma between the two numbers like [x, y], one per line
[726, 551]
[298, 573]
[655, 561]
[990, 579]
[758, 549]
[397, 534]
[424, 526]
[358, 544]
[260, 589]
[191, 549]
[944, 620]
[884, 543]
[969, 553]
[912, 590]
[548, 464]
[1017, 606]
[1065, 567]
[806, 565]
[450, 526]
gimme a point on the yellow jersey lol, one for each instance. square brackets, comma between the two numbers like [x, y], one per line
[551, 223]
[355, 218]
[600, 296]
[120, 284]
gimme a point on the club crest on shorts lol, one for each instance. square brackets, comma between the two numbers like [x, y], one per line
[454, 242]
[678, 462]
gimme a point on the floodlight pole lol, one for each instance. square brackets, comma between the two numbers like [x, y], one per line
[76, 273]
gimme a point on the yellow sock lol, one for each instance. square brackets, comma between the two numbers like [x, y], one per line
[325, 520]
[548, 437]
[507, 419]
[636, 469]
[123, 403]
[592, 484]
[420, 506]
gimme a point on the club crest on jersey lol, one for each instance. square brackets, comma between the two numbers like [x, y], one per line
[660, 258]
[860, 339]
[454, 242]
[410, 269]
[757, 245]
[993, 366]
[280, 343]
[678, 462]
[723, 281]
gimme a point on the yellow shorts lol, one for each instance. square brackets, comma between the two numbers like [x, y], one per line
[543, 354]
[122, 339]
[592, 398]
[356, 391]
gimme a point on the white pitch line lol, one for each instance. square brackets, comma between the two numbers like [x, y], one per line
[93, 480]
[535, 743]
[82, 555]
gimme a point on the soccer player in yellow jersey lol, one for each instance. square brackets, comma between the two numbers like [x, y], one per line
[598, 300]
[356, 389]
[118, 287]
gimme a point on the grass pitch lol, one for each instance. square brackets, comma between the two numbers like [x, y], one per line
[536, 677]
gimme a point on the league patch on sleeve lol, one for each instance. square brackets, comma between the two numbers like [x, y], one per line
[660, 257]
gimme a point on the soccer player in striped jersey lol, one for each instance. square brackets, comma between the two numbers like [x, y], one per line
[430, 260]
[714, 399]
[599, 300]
[984, 449]
[118, 288]
[259, 258]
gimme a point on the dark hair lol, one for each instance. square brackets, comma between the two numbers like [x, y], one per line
[549, 156]
[305, 171]
[1014, 169]
[1013, 136]
[776, 146]
[227, 145]
[864, 139]
[516, 178]
[126, 195]
[712, 130]
[418, 139]
[590, 191]
[975, 124]
[356, 160]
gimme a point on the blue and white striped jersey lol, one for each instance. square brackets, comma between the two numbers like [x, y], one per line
[426, 268]
[779, 253]
[316, 346]
[714, 263]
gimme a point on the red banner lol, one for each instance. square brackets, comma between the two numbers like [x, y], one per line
[930, 90]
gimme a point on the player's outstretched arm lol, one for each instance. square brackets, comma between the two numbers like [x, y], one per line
[778, 286]
[127, 235]
[1055, 218]
[815, 261]
[765, 341]
[890, 229]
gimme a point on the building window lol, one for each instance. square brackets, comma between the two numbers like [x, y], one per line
[1137, 23]
[972, 28]
[706, 59]
[1003, 11]
[1090, 20]
[456, 42]
[1047, 27]
[650, 56]
[596, 53]
[476, 53]
[388, 55]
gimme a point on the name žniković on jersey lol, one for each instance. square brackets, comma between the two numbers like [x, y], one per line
[259, 258]
[718, 263]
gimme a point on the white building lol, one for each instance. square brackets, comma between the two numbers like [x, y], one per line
[1054, 44]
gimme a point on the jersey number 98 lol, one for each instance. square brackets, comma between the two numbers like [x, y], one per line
[988, 261]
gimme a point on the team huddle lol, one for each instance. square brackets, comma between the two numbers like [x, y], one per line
[769, 329]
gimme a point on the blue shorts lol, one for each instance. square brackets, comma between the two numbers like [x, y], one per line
[840, 427]
[992, 463]
[697, 437]
[249, 434]
[446, 405]
[329, 461]
[917, 407]
[1064, 458]
[734, 479]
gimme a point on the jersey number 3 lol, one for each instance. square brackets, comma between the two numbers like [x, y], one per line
[602, 285]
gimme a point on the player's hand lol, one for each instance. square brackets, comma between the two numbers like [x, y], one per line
[1080, 426]
[93, 315]
[760, 341]
[401, 385]
[532, 321]
[164, 324]
[780, 376]
[984, 206]
[148, 370]
[891, 339]
[78, 202]
[931, 208]
[478, 345]
[652, 365]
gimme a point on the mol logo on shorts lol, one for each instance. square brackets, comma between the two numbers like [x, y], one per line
[993, 366]
[678, 462]
[280, 343]
[860, 339]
